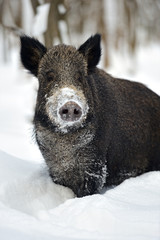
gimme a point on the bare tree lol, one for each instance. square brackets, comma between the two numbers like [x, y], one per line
[54, 17]
[131, 18]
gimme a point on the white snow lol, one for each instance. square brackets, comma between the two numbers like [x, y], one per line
[33, 207]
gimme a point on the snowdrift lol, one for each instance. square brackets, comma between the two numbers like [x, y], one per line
[33, 207]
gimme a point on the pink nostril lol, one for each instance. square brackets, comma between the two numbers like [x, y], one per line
[70, 111]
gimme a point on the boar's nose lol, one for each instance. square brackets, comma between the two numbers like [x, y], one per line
[70, 111]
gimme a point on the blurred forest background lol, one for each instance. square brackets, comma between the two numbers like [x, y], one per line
[123, 24]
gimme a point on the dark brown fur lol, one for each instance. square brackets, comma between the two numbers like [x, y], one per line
[119, 138]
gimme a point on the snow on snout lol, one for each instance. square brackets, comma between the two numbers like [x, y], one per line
[58, 99]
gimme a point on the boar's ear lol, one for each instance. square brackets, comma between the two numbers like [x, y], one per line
[91, 50]
[31, 53]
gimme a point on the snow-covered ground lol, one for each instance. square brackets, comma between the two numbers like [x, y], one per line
[33, 207]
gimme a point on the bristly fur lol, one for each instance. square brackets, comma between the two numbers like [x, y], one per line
[31, 53]
[91, 50]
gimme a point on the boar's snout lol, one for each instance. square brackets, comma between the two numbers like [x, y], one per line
[70, 111]
[67, 108]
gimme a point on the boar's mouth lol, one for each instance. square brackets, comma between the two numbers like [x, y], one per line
[67, 107]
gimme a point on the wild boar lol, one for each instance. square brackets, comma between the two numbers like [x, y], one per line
[93, 130]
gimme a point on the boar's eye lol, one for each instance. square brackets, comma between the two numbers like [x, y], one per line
[79, 79]
[79, 76]
[50, 76]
